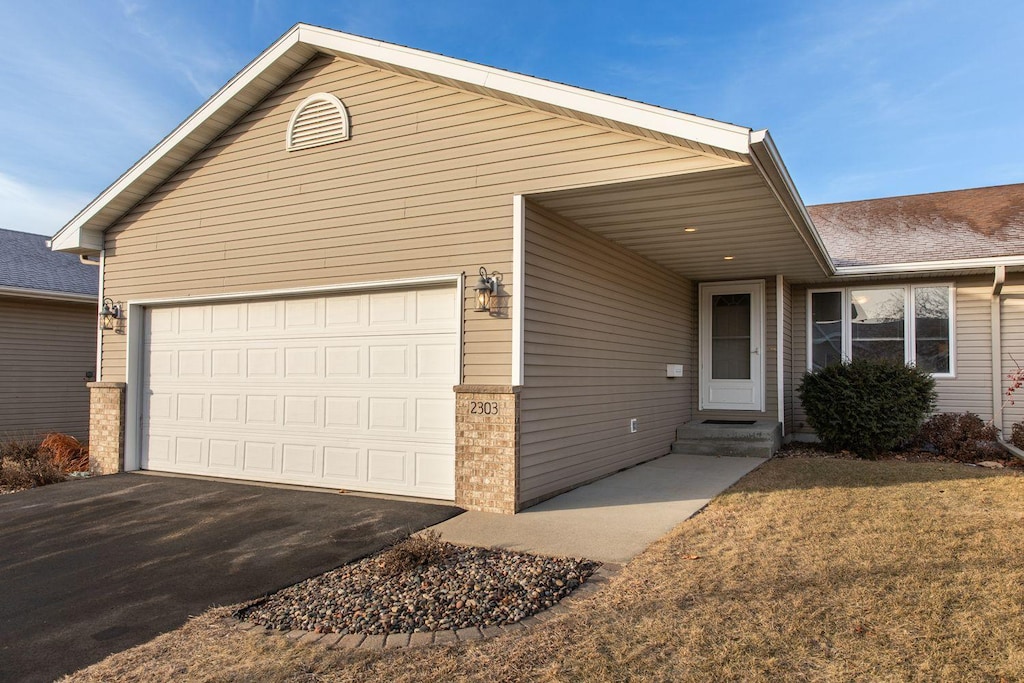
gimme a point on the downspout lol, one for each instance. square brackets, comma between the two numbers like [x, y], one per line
[997, 359]
[780, 378]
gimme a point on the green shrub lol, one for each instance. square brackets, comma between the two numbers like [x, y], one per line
[867, 406]
[963, 436]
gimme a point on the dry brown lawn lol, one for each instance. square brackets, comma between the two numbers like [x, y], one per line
[808, 569]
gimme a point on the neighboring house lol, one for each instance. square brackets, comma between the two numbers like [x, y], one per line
[934, 279]
[48, 321]
[299, 263]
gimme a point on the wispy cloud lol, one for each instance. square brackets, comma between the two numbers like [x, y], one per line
[42, 210]
[183, 47]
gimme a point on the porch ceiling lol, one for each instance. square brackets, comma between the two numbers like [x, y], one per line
[734, 213]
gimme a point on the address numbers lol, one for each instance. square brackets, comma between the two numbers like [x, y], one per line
[483, 407]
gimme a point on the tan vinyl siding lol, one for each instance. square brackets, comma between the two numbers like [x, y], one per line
[1012, 343]
[771, 391]
[423, 188]
[46, 348]
[971, 388]
[601, 323]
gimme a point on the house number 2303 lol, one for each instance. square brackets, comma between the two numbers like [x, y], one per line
[483, 407]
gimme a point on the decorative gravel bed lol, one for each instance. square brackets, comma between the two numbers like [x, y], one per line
[423, 585]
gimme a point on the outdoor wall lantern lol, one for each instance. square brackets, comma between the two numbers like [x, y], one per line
[486, 287]
[109, 312]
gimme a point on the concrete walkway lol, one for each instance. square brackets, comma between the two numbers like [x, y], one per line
[613, 519]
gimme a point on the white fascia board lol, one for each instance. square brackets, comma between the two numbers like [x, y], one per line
[985, 262]
[80, 241]
[763, 151]
[706, 131]
[23, 293]
[72, 237]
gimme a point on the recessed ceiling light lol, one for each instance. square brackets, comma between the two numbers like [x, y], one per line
[689, 229]
[728, 258]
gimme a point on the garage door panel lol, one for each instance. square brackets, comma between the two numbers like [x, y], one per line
[260, 457]
[426, 416]
[350, 391]
[383, 466]
[301, 411]
[224, 455]
[321, 361]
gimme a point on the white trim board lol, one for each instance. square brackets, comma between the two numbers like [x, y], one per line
[300, 291]
[25, 293]
[518, 288]
[984, 262]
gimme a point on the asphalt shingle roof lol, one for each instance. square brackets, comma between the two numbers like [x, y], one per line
[27, 263]
[980, 222]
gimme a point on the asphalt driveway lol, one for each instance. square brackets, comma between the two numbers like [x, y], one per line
[92, 567]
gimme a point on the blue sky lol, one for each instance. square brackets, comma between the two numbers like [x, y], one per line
[864, 99]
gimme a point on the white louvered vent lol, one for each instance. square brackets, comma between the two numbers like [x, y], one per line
[320, 119]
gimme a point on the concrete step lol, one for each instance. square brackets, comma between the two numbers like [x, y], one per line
[758, 431]
[758, 440]
[734, 448]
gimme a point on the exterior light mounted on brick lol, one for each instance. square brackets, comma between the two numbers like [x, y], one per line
[486, 287]
[109, 312]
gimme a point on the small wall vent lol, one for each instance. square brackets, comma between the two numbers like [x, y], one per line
[320, 119]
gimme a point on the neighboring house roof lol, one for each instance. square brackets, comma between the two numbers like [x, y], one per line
[28, 266]
[979, 223]
[83, 234]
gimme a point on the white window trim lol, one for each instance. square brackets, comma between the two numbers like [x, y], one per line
[909, 322]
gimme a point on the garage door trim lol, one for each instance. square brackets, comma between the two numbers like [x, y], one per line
[135, 335]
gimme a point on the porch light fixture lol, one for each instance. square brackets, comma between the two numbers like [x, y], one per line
[109, 312]
[486, 287]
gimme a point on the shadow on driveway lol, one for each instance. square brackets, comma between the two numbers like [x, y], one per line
[92, 567]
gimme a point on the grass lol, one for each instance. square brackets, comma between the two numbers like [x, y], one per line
[808, 569]
[26, 464]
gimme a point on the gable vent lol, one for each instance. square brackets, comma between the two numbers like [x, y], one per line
[320, 119]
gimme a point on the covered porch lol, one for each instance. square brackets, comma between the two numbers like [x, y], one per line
[740, 243]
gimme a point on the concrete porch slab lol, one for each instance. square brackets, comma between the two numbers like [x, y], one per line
[612, 520]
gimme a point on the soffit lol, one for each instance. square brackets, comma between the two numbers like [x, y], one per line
[734, 211]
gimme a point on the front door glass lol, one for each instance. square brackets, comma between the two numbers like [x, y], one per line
[730, 336]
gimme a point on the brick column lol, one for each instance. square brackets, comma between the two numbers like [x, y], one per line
[106, 427]
[487, 448]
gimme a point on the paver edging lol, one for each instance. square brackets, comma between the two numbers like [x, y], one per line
[353, 641]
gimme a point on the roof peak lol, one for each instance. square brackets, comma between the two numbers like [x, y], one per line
[303, 41]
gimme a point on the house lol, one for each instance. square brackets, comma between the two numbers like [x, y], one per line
[307, 266]
[47, 338]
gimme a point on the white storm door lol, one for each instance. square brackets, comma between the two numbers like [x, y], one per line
[732, 346]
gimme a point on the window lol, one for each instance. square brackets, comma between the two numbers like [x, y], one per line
[878, 324]
[826, 328]
[931, 324]
[908, 324]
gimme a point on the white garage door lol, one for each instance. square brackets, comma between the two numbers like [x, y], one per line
[350, 391]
